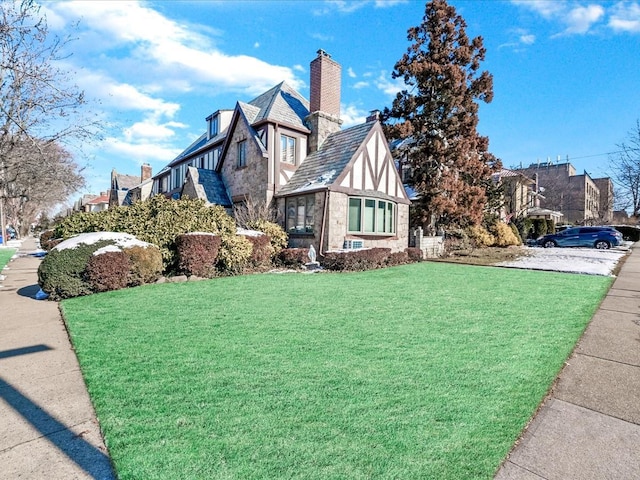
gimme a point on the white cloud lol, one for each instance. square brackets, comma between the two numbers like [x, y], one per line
[350, 6]
[527, 39]
[359, 85]
[167, 49]
[351, 73]
[546, 8]
[389, 85]
[625, 17]
[124, 96]
[581, 19]
[352, 115]
[256, 45]
[141, 152]
[150, 130]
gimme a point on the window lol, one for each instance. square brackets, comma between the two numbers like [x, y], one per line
[242, 154]
[213, 126]
[287, 149]
[299, 214]
[368, 215]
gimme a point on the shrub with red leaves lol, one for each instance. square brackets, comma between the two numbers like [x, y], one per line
[397, 258]
[293, 257]
[197, 254]
[262, 250]
[108, 271]
[415, 254]
[356, 260]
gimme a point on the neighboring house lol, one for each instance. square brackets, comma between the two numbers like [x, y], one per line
[522, 197]
[332, 188]
[580, 198]
[126, 189]
[90, 203]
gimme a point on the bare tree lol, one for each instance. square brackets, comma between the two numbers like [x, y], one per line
[39, 106]
[625, 172]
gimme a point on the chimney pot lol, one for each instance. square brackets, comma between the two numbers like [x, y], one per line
[373, 115]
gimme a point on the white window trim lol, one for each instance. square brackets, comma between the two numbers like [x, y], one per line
[362, 231]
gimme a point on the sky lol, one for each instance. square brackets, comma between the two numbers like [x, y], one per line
[565, 73]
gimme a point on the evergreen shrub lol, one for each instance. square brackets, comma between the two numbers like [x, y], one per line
[108, 271]
[516, 233]
[197, 254]
[276, 233]
[234, 255]
[159, 221]
[551, 226]
[503, 235]
[480, 236]
[47, 240]
[61, 273]
[146, 264]
[539, 227]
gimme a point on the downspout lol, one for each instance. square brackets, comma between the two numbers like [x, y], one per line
[324, 219]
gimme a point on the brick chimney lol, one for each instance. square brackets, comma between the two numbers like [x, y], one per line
[145, 172]
[324, 101]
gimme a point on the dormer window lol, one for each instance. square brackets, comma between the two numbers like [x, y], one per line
[214, 126]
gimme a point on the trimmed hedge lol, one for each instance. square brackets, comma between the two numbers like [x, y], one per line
[197, 254]
[61, 273]
[261, 250]
[278, 237]
[414, 254]
[160, 221]
[108, 271]
[146, 265]
[397, 258]
[356, 260]
[293, 257]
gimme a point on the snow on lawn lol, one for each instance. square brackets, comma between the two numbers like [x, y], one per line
[571, 260]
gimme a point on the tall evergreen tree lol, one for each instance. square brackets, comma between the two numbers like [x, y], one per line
[438, 114]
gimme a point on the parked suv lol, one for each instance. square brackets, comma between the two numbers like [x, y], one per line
[596, 237]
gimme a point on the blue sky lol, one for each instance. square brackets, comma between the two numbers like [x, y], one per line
[565, 73]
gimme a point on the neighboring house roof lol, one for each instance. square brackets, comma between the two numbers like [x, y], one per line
[322, 168]
[208, 185]
[506, 173]
[99, 199]
[125, 182]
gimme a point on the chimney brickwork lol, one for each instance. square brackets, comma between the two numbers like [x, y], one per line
[145, 172]
[324, 99]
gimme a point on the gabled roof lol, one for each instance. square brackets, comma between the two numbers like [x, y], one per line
[211, 185]
[281, 104]
[322, 168]
[125, 182]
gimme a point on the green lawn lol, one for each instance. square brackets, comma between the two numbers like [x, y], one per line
[5, 256]
[426, 371]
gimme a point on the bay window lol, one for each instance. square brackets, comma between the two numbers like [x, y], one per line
[370, 215]
[299, 214]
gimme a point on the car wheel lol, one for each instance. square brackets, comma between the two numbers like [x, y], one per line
[602, 245]
[549, 244]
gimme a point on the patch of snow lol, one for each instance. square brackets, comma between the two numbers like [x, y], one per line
[202, 233]
[248, 233]
[122, 240]
[106, 249]
[570, 260]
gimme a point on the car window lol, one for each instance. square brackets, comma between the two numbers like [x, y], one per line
[570, 231]
[589, 230]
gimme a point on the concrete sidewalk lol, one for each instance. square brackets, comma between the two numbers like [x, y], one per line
[589, 428]
[48, 427]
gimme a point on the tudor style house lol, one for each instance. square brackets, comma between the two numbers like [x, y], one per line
[332, 188]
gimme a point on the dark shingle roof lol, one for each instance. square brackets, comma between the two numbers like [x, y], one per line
[125, 182]
[281, 104]
[214, 187]
[321, 168]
